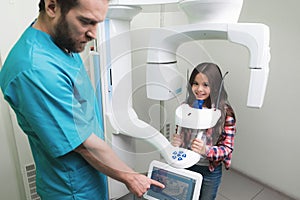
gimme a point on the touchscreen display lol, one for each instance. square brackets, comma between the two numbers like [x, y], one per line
[177, 187]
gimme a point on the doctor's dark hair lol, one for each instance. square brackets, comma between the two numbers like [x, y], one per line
[65, 5]
[217, 90]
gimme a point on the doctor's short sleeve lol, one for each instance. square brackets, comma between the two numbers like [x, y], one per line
[54, 108]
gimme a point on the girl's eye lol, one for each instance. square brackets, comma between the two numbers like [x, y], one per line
[195, 83]
[206, 84]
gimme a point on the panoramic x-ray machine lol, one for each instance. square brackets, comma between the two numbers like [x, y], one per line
[209, 19]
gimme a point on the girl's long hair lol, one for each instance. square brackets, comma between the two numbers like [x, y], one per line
[218, 94]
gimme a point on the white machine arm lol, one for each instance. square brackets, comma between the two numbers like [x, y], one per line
[118, 89]
[164, 43]
[256, 38]
[134, 127]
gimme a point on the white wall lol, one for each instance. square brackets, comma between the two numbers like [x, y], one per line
[10, 176]
[267, 141]
[15, 16]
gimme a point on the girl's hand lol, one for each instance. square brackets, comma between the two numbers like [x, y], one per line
[198, 146]
[176, 140]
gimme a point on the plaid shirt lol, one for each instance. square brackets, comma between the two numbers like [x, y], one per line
[222, 151]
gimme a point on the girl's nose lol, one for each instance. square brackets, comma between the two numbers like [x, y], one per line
[200, 88]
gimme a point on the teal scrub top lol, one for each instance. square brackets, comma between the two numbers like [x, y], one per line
[56, 107]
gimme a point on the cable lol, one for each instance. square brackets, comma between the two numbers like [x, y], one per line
[220, 90]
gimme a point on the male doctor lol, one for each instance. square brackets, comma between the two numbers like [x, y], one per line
[44, 81]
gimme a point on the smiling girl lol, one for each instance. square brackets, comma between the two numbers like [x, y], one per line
[216, 145]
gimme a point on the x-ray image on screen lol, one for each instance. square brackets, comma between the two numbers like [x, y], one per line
[177, 187]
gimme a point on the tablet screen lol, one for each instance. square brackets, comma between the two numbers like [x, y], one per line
[177, 187]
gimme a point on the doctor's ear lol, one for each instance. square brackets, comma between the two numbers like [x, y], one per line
[51, 7]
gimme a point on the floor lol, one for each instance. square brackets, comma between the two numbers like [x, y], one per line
[235, 186]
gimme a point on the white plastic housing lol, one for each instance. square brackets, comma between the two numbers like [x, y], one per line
[117, 90]
[163, 81]
[212, 11]
[128, 123]
[188, 117]
[141, 2]
[165, 41]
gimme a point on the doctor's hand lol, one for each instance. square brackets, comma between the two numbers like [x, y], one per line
[198, 146]
[138, 184]
[176, 140]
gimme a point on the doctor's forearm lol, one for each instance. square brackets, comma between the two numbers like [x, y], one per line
[99, 155]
